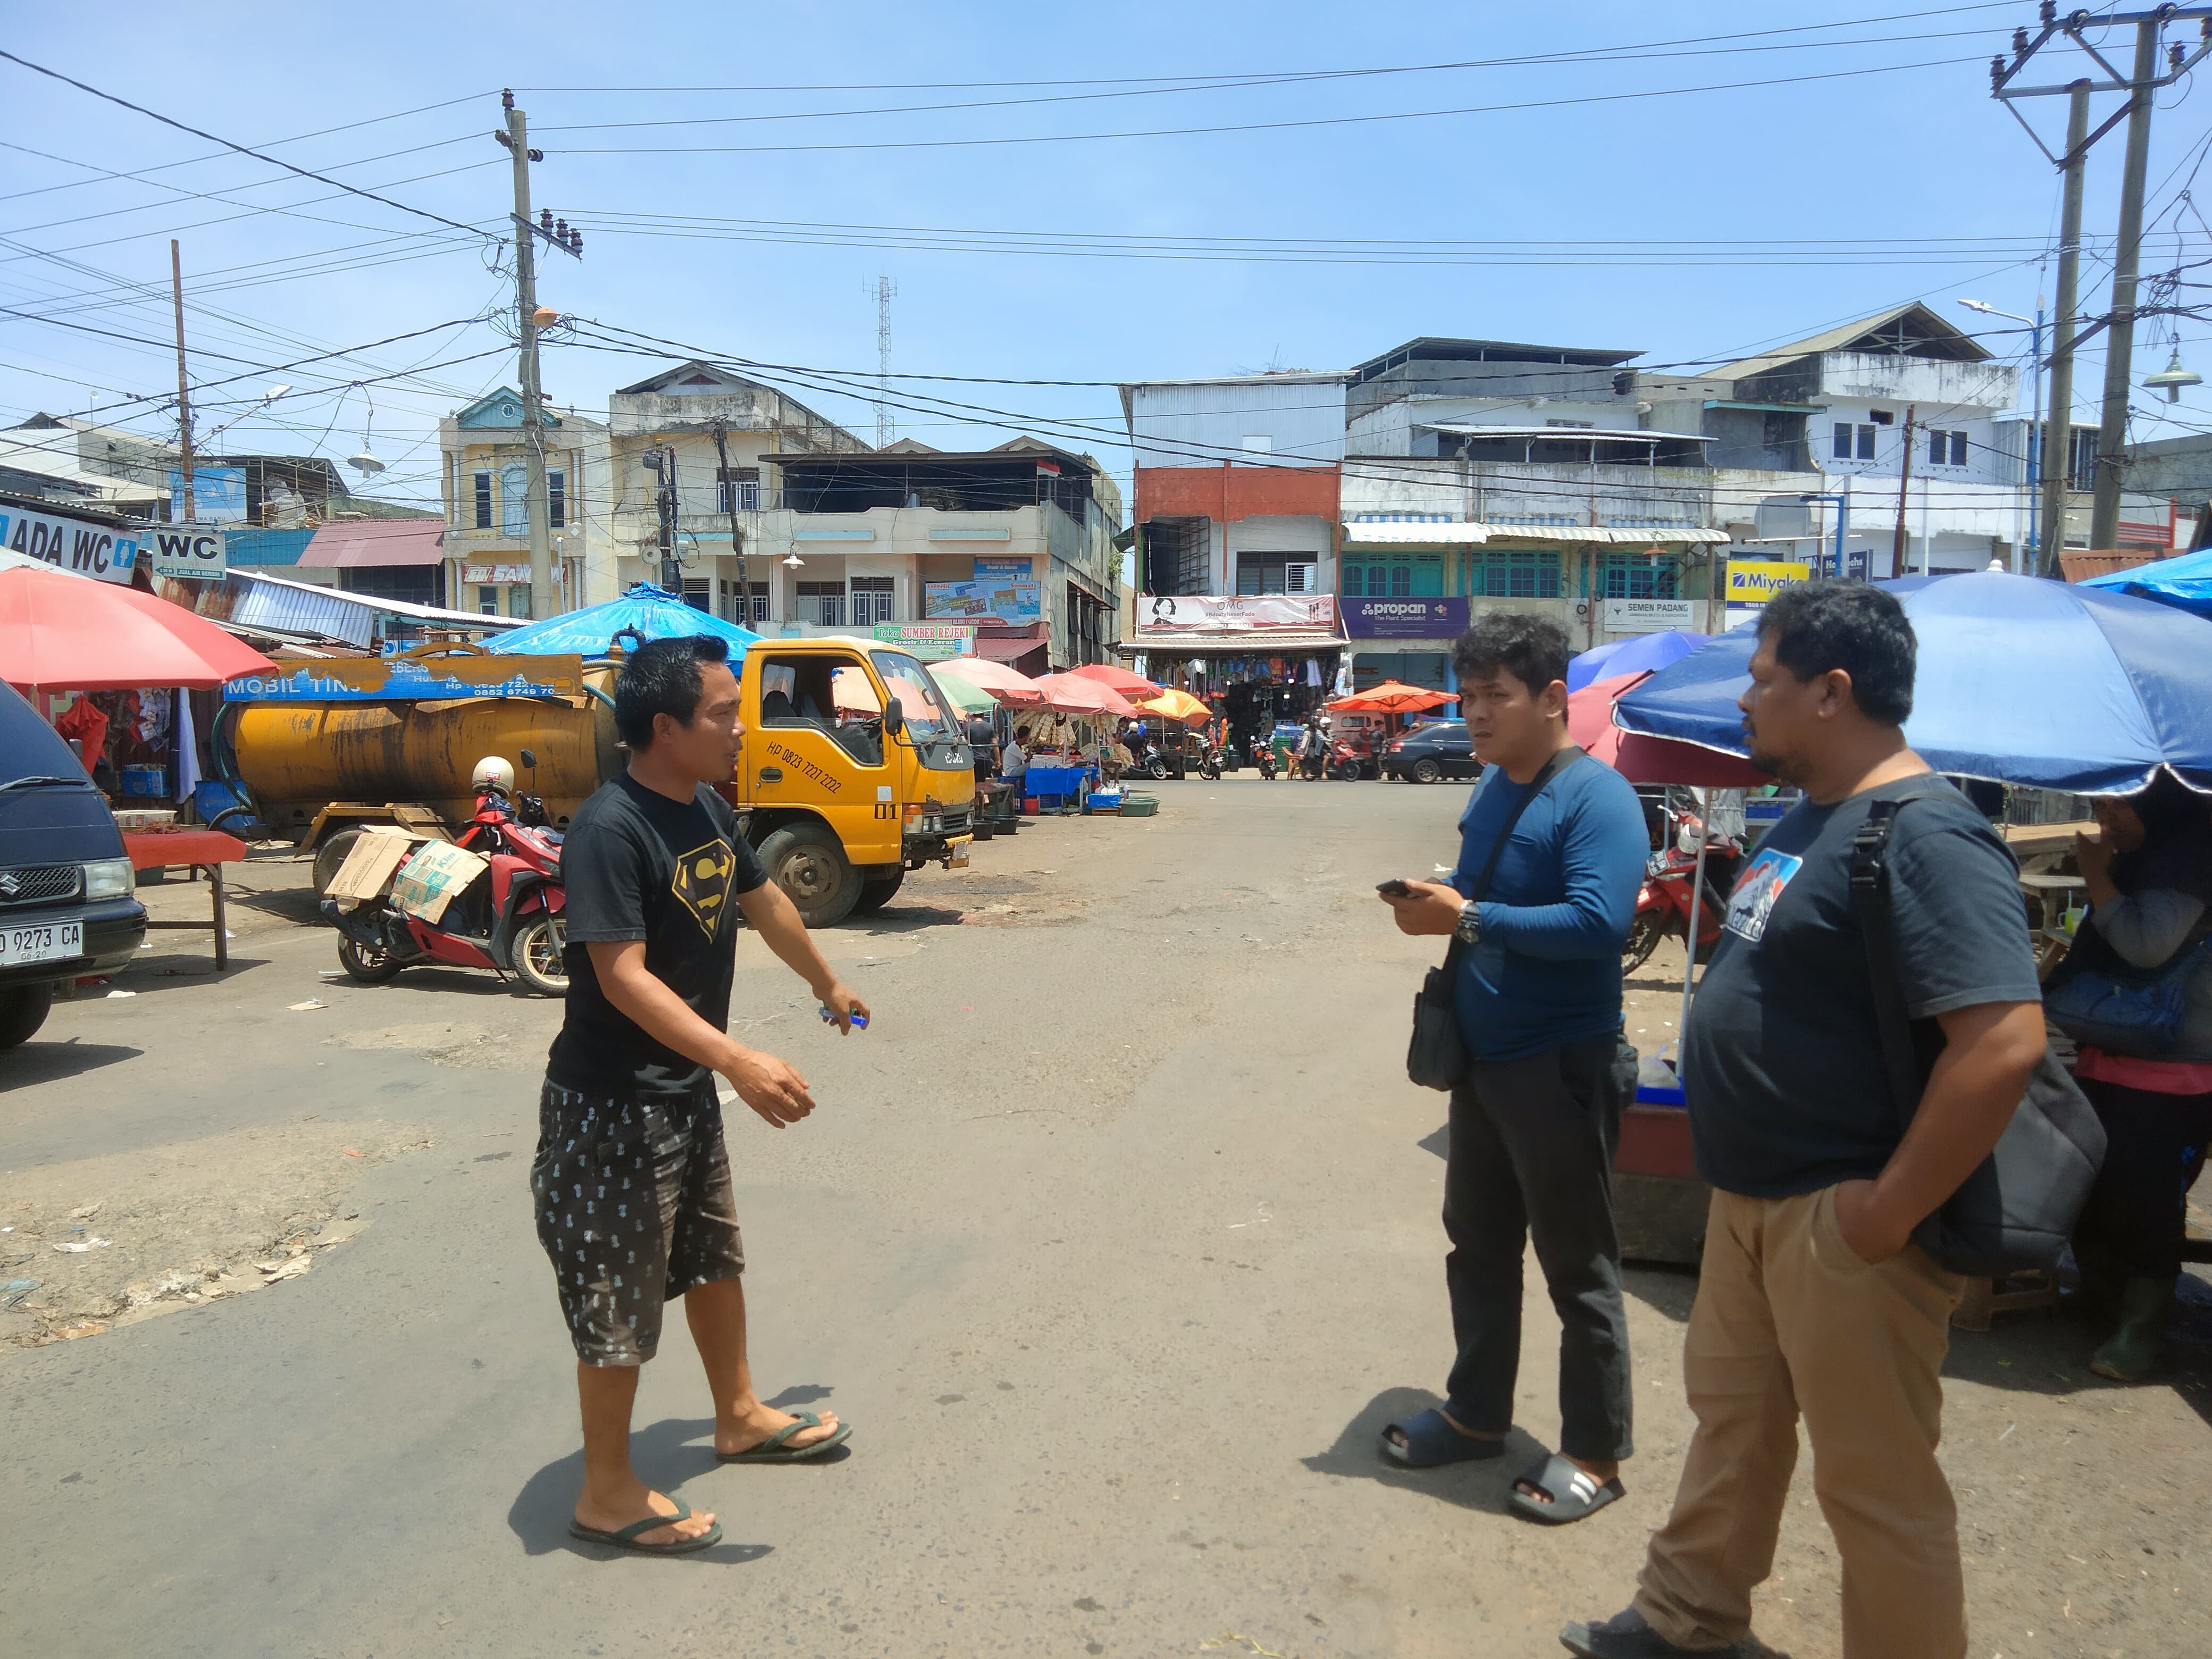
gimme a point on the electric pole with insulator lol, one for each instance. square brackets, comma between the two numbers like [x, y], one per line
[528, 319]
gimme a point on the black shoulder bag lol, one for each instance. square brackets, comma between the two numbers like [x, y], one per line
[1436, 1057]
[2017, 1210]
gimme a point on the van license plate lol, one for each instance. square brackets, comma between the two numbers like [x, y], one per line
[53, 941]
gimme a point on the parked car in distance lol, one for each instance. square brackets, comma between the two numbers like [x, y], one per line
[1431, 751]
[67, 904]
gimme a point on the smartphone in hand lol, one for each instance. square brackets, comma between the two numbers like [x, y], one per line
[1394, 887]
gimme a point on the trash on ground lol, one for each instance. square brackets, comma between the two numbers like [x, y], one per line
[348, 1151]
[16, 1290]
[311, 1002]
[274, 1272]
[79, 1250]
[113, 994]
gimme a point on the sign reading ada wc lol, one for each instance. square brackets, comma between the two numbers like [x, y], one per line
[186, 552]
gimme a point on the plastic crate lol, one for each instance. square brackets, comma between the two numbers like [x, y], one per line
[146, 782]
[214, 796]
[1140, 806]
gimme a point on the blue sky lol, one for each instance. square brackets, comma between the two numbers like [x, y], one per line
[1793, 190]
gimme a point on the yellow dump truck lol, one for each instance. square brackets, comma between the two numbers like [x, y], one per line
[840, 797]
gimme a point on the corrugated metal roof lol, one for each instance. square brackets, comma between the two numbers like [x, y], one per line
[303, 608]
[376, 543]
[1836, 339]
[1610, 434]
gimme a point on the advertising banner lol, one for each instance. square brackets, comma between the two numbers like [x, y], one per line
[187, 552]
[1404, 618]
[1254, 613]
[67, 543]
[406, 679]
[1754, 581]
[930, 641]
[218, 493]
[1012, 602]
[1650, 616]
[1006, 570]
[485, 575]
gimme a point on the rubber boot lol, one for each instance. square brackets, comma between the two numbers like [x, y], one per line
[2129, 1353]
[2103, 1279]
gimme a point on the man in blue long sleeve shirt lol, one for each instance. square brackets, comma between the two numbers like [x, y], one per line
[1534, 1124]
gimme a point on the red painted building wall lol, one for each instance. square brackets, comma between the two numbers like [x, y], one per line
[1227, 493]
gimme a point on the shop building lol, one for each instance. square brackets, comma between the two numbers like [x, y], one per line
[484, 484]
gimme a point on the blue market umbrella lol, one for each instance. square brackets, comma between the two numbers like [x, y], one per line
[655, 612]
[1646, 654]
[2021, 681]
[2183, 581]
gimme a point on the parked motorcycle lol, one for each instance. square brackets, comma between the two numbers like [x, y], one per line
[509, 918]
[1347, 761]
[1662, 908]
[1263, 756]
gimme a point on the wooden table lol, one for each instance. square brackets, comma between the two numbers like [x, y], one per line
[208, 850]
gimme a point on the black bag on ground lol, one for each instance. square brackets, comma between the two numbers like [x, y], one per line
[2017, 1208]
[1436, 1057]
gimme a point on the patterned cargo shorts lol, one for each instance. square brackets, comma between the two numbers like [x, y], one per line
[634, 1206]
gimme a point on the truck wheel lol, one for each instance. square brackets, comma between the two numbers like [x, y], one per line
[537, 955]
[22, 1010]
[876, 893]
[807, 862]
[367, 964]
[330, 855]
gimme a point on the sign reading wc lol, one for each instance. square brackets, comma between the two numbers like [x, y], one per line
[188, 552]
[75, 544]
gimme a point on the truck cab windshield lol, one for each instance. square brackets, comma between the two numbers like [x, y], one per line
[927, 717]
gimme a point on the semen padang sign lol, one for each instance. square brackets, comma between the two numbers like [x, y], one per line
[86, 547]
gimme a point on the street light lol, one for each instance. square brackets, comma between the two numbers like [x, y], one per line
[2035, 421]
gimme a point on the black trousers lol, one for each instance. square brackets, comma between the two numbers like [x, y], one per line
[1531, 1157]
[2154, 1147]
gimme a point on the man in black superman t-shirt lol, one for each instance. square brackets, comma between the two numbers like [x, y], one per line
[631, 1180]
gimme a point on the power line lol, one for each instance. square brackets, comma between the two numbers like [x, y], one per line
[259, 155]
[1256, 126]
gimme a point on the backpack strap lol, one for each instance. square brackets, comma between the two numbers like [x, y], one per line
[1871, 905]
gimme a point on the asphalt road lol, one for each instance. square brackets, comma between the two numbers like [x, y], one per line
[1115, 1238]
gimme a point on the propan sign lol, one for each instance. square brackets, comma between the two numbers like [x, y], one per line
[80, 545]
[188, 553]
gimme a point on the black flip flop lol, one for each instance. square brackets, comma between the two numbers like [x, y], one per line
[1431, 1440]
[625, 1538]
[775, 1449]
[1575, 1493]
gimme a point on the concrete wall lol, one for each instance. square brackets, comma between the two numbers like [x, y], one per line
[1207, 423]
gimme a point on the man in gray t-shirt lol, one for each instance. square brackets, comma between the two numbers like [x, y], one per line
[1812, 1299]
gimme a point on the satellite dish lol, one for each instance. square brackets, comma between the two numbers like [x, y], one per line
[365, 464]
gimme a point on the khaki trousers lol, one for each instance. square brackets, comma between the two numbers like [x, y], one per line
[1788, 1322]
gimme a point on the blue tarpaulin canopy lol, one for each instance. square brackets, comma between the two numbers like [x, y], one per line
[2021, 681]
[655, 612]
[1645, 653]
[2183, 581]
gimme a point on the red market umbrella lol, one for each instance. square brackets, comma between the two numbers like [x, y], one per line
[64, 633]
[1135, 687]
[1015, 690]
[1071, 694]
[1642, 759]
[1393, 697]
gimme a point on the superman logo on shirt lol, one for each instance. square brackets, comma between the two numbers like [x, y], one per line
[701, 883]
[1751, 904]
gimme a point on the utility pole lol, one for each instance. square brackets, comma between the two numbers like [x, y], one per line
[184, 395]
[2127, 259]
[660, 461]
[2141, 87]
[527, 321]
[728, 487]
[1903, 485]
[2059, 435]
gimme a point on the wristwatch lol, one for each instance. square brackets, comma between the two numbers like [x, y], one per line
[1468, 928]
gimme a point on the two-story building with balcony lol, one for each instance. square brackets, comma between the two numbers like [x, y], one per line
[1012, 549]
[484, 485]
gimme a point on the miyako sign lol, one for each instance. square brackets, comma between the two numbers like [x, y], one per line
[187, 552]
[1754, 581]
[81, 545]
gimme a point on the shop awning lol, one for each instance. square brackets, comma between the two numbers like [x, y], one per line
[1007, 648]
[1248, 642]
[1467, 532]
[376, 542]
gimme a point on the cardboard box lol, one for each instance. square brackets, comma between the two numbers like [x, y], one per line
[370, 864]
[427, 882]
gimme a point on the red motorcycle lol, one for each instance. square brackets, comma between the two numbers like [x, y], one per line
[1662, 908]
[509, 918]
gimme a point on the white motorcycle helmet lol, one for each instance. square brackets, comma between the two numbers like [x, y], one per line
[493, 772]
